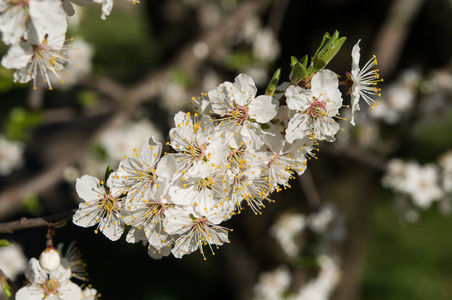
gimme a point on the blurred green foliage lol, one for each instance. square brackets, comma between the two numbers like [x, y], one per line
[408, 261]
[21, 122]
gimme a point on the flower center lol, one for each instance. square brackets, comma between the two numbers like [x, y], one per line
[109, 202]
[240, 113]
[206, 183]
[317, 109]
[150, 176]
[50, 287]
[197, 151]
[274, 157]
[40, 50]
[199, 224]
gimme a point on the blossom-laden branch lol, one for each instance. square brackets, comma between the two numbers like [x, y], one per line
[55, 220]
[144, 91]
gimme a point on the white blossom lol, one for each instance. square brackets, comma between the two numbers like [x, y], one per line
[315, 108]
[364, 81]
[102, 206]
[48, 285]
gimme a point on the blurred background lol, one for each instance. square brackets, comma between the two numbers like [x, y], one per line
[357, 225]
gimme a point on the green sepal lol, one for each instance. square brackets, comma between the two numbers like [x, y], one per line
[297, 74]
[108, 171]
[270, 91]
[265, 126]
[4, 243]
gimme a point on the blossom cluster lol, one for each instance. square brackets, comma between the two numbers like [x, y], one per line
[235, 151]
[35, 31]
[423, 184]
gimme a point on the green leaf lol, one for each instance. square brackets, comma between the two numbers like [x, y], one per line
[108, 171]
[333, 50]
[325, 39]
[270, 91]
[328, 44]
[265, 126]
[4, 243]
[7, 289]
[298, 73]
[304, 61]
[293, 61]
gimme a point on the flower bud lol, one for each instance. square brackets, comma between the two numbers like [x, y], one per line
[49, 259]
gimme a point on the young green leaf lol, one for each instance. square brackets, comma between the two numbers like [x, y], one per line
[4, 243]
[270, 91]
[108, 171]
[298, 73]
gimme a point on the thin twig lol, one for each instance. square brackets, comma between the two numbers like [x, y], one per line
[357, 154]
[25, 223]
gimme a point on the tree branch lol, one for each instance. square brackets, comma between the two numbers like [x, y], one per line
[25, 223]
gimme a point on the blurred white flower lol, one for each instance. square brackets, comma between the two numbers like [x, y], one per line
[11, 155]
[420, 182]
[120, 142]
[287, 231]
[321, 287]
[398, 98]
[272, 285]
[265, 46]
[12, 261]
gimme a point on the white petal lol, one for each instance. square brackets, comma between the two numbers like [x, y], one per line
[150, 153]
[112, 227]
[298, 98]
[29, 292]
[296, 128]
[88, 188]
[244, 89]
[49, 17]
[355, 57]
[18, 56]
[263, 108]
[87, 215]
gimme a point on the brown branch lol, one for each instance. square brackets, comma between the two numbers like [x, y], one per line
[391, 37]
[25, 223]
